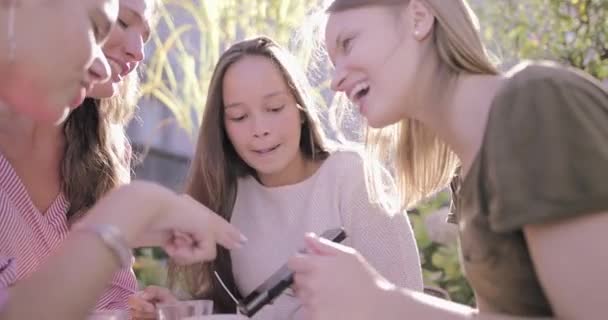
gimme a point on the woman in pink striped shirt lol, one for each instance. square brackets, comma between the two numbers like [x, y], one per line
[43, 77]
[81, 160]
[97, 157]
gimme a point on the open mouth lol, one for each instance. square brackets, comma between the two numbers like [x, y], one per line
[266, 150]
[119, 70]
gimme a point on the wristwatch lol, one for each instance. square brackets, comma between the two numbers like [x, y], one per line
[113, 238]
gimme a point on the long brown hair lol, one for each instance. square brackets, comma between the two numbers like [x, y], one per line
[424, 164]
[97, 153]
[216, 166]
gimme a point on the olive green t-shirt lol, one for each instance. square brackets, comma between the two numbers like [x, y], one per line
[544, 157]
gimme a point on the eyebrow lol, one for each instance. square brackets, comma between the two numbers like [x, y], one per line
[265, 97]
[236, 104]
[274, 94]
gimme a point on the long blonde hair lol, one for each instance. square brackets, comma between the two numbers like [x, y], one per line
[216, 166]
[424, 163]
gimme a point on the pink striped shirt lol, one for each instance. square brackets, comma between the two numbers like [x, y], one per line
[28, 236]
[3, 298]
[7, 268]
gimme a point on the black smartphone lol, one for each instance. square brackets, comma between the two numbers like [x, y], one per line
[279, 281]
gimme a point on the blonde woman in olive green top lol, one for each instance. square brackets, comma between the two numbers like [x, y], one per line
[532, 147]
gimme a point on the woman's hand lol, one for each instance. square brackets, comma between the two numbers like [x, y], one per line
[189, 232]
[150, 215]
[335, 282]
[143, 303]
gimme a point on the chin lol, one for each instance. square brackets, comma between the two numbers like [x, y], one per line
[372, 122]
[265, 170]
[104, 90]
[269, 170]
[378, 118]
[378, 122]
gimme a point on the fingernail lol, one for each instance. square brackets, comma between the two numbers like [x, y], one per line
[243, 239]
[311, 235]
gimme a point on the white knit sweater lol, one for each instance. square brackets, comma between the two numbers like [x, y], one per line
[276, 219]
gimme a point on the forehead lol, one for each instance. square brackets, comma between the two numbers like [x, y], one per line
[340, 22]
[253, 75]
[332, 27]
[143, 8]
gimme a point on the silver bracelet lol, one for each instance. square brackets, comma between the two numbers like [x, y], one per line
[113, 238]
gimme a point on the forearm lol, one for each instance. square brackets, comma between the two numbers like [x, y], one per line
[74, 277]
[68, 285]
[401, 304]
[131, 208]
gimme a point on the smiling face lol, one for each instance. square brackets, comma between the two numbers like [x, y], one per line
[402, 60]
[50, 74]
[375, 60]
[261, 117]
[125, 46]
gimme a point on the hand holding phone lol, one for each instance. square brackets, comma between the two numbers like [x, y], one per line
[279, 281]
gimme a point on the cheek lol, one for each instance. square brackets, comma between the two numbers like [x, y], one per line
[388, 93]
[291, 126]
[51, 87]
[114, 40]
[82, 43]
[41, 100]
[236, 134]
[401, 86]
[49, 109]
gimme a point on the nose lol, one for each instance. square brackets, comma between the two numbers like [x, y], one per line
[134, 47]
[260, 128]
[338, 78]
[99, 70]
